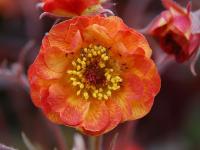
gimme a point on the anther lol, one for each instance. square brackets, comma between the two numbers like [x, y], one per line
[100, 90]
[94, 95]
[73, 63]
[108, 93]
[79, 60]
[90, 55]
[78, 67]
[81, 86]
[85, 50]
[100, 95]
[105, 96]
[73, 79]
[86, 95]
[78, 92]
[102, 65]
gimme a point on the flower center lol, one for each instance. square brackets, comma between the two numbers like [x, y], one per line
[93, 75]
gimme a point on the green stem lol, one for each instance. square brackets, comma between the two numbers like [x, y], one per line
[95, 143]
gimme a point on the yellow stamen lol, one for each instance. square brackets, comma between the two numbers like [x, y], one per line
[94, 95]
[78, 92]
[86, 95]
[84, 87]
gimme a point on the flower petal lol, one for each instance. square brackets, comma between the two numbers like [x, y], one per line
[49, 113]
[54, 117]
[37, 86]
[74, 112]
[97, 34]
[45, 44]
[42, 69]
[97, 118]
[160, 21]
[57, 60]
[114, 113]
[57, 97]
[68, 8]
[174, 7]
[62, 99]
[65, 36]
[141, 83]
[132, 89]
[113, 24]
[131, 42]
[183, 24]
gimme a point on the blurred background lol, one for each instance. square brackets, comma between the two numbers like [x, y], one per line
[172, 124]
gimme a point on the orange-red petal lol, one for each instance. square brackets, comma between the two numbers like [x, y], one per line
[96, 119]
[42, 69]
[38, 86]
[69, 7]
[115, 114]
[57, 60]
[141, 84]
[71, 108]
[97, 34]
[128, 42]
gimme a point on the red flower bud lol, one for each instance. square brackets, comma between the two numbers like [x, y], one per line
[173, 30]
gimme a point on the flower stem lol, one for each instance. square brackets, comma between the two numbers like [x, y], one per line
[95, 143]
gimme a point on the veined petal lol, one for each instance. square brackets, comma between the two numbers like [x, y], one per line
[43, 71]
[57, 60]
[74, 112]
[97, 118]
[57, 97]
[57, 35]
[71, 108]
[76, 42]
[141, 84]
[53, 116]
[97, 34]
[133, 89]
[38, 86]
[130, 42]
[113, 24]
[115, 114]
[48, 111]
[45, 44]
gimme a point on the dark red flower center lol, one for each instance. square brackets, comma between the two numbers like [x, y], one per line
[94, 75]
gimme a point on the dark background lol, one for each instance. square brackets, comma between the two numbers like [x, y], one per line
[172, 124]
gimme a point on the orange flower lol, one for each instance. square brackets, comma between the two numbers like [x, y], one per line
[173, 30]
[69, 8]
[93, 73]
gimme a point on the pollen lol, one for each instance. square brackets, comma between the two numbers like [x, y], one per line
[92, 75]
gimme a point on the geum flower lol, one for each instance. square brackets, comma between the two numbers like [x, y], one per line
[173, 30]
[93, 73]
[70, 8]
